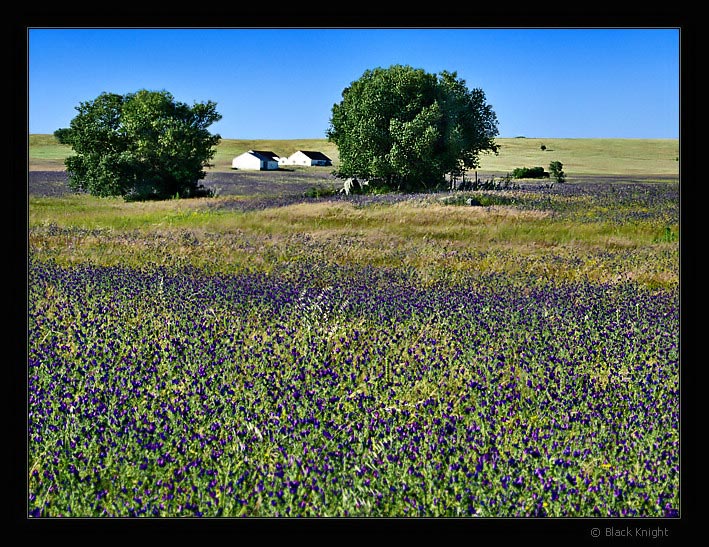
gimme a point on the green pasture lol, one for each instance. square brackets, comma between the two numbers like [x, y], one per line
[587, 156]
[578, 156]
[46, 154]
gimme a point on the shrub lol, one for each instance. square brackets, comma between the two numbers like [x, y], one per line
[555, 168]
[529, 173]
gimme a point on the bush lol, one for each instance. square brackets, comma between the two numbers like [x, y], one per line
[530, 173]
[555, 168]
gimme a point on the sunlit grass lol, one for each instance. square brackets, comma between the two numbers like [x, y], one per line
[587, 156]
[423, 234]
[476, 225]
[578, 156]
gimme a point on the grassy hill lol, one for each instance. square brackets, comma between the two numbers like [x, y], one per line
[578, 156]
[588, 156]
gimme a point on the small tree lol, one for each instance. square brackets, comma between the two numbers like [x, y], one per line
[543, 147]
[142, 145]
[555, 168]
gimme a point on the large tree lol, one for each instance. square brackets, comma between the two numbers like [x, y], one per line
[404, 129]
[142, 145]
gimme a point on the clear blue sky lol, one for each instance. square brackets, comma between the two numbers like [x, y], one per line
[281, 83]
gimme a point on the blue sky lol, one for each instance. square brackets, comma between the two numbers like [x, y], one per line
[281, 83]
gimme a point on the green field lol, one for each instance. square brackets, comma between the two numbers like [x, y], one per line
[578, 156]
[588, 156]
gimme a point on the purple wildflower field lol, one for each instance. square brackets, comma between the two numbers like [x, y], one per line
[370, 396]
[328, 390]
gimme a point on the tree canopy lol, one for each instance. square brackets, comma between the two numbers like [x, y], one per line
[402, 128]
[142, 145]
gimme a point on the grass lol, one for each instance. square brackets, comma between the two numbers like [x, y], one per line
[46, 154]
[587, 156]
[421, 232]
[578, 156]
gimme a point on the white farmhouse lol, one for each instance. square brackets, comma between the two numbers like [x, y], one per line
[256, 160]
[308, 157]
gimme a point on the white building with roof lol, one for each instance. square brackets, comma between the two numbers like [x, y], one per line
[256, 160]
[308, 157]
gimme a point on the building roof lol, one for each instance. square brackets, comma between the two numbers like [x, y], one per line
[265, 154]
[315, 155]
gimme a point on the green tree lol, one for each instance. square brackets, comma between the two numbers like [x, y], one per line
[142, 145]
[555, 168]
[401, 128]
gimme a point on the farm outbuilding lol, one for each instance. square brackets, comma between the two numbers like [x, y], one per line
[256, 160]
[308, 157]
